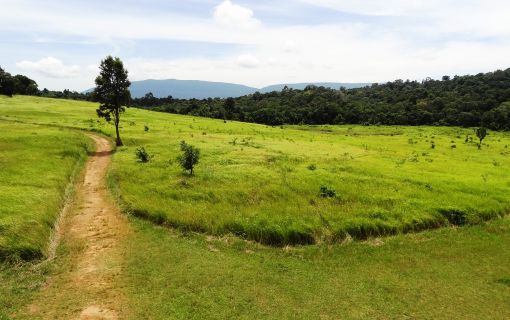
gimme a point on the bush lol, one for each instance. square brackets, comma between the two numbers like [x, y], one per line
[454, 216]
[326, 192]
[481, 133]
[189, 158]
[142, 155]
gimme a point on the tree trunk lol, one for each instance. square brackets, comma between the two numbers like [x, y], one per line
[118, 142]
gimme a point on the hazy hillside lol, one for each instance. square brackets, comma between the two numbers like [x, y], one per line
[187, 89]
[301, 86]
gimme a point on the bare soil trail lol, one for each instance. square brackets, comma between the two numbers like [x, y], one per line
[85, 281]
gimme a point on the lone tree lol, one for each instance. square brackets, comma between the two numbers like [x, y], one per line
[189, 158]
[481, 133]
[112, 91]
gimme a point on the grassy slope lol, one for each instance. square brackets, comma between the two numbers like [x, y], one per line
[450, 273]
[254, 180]
[36, 166]
[447, 273]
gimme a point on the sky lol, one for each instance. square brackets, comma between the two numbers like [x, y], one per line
[253, 42]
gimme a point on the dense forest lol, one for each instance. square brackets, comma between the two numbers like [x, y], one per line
[469, 101]
[20, 84]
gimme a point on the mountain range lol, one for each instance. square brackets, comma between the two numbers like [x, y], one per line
[187, 89]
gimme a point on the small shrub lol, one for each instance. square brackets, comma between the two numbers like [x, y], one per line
[312, 167]
[481, 133]
[189, 158]
[504, 281]
[454, 216]
[142, 155]
[327, 192]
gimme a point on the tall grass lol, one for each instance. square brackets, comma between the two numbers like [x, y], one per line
[255, 181]
[37, 163]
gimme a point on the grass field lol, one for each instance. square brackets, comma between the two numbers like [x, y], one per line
[255, 182]
[263, 183]
[36, 166]
[450, 273]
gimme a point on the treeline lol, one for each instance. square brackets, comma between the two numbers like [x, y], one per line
[469, 101]
[20, 84]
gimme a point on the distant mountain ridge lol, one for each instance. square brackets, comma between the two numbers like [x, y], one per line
[301, 86]
[188, 89]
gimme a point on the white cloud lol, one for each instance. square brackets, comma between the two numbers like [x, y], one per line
[378, 7]
[248, 61]
[290, 46]
[234, 15]
[462, 37]
[473, 17]
[49, 67]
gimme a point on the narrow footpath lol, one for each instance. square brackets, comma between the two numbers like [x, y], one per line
[84, 280]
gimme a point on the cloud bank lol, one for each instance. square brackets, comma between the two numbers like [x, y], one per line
[349, 40]
[50, 67]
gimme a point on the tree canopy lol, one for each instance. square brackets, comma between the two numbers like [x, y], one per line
[18, 84]
[112, 91]
[470, 101]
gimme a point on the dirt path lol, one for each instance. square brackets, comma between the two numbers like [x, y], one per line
[84, 283]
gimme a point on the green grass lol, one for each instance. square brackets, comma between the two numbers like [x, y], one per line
[254, 181]
[262, 189]
[37, 164]
[18, 284]
[450, 273]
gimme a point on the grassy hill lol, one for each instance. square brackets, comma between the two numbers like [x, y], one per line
[37, 165]
[263, 183]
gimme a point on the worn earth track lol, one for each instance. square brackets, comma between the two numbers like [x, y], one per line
[84, 281]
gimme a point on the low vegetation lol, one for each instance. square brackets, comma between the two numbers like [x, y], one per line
[189, 157]
[450, 273]
[294, 185]
[255, 181]
[37, 164]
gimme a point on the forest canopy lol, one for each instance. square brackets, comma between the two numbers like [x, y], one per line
[469, 101]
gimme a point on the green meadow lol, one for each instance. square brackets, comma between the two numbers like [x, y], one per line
[264, 183]
[251, 236]
[37, 164]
